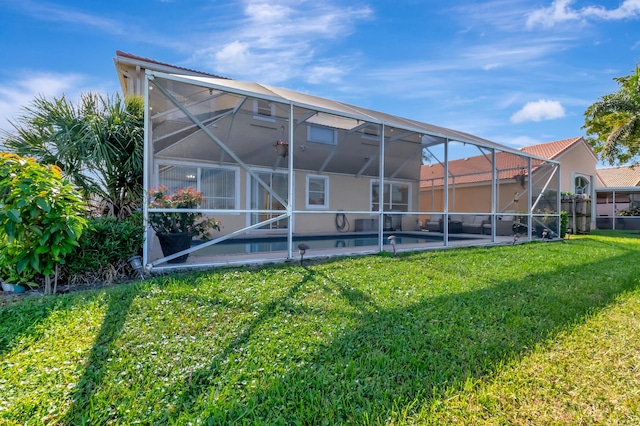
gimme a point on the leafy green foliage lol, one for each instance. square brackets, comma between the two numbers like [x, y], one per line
[97, 145]
[613, 123]
[195, 224]
[104, 248]
[497, 335]
[41, 217]
[564, 221]
[632, 211]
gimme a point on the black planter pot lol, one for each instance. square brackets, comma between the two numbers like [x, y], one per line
[173, 243]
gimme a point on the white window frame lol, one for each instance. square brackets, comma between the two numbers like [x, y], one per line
[248, 195]
[381, 194]
[325, 205]
[585, 177]
[258, 115]
[199, 166]
[334, 137]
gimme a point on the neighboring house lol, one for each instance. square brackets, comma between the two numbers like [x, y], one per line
[279, 167]
[619, 177]
[578, 162]
[470, 179]
[617, 191]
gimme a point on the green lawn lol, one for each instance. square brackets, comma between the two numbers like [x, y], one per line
[540, 333]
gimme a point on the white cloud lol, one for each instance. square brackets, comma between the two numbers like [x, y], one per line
[14, 95]
[325, 74]
[561, 11]
[280, 40]
[628, 9]
[58, 13]
[538, 111]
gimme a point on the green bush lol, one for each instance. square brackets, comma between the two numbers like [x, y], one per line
[632, 211]
[564, 220]
[41, 219]
[104, 249]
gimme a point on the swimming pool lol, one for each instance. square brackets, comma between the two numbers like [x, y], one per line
[316, 242]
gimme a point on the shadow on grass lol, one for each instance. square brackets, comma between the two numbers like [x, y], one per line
[23, 319]
[397, 360]
[202, 378]
[113, 322]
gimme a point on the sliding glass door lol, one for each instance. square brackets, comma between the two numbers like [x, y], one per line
[264, 199]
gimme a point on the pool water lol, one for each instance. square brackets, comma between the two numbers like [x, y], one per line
[270, 244]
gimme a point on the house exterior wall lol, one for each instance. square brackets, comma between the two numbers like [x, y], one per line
[579, 159]
[475, 198]
[346, 193]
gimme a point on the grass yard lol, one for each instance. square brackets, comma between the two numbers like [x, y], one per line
[540, 333]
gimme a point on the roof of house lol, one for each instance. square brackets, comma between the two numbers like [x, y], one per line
[478, 168]
[333, 113]
[618, 177]
[341, 115]
[551, 150]
[161, 66]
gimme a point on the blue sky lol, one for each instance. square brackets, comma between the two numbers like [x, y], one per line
[516, 72]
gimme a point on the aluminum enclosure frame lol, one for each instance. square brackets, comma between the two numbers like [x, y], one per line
[426, 135]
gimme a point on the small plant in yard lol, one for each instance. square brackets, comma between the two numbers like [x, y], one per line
[194, 224]
[41, 219]
[103, 250]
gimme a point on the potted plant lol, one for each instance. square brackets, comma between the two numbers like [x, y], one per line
[282, 148]
[175, 230]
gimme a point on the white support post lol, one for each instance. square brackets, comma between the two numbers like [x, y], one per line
[381, 192]
[291, 185]
[146, 158]
[529, 206]
[445, 216]
[494, 193]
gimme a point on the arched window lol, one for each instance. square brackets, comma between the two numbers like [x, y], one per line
[581, 185]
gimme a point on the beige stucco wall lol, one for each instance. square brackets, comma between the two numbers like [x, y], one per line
[477, 198]
[347, 193]
[577, 160]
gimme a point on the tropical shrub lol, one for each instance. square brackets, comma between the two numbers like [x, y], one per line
[564, 221]
[103, 250]
[41, 219]
[97, 144]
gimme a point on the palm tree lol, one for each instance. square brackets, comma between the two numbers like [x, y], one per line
[97, 144]
[117, 155]
[614, 121]
[54, 132]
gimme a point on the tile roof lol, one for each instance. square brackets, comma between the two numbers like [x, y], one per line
[509, 166]
[618, 177]
[121, 54]
[551, 150]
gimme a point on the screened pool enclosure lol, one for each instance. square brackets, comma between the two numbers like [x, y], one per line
[277, 169]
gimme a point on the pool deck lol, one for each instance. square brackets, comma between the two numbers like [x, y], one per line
[461, 240]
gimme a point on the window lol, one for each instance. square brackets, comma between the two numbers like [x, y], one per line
[218, 185]
[371, 133]
[264, 199]
[320, 134]
[264, 110]
[581, 185]
[317, 192]
[395, 197]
